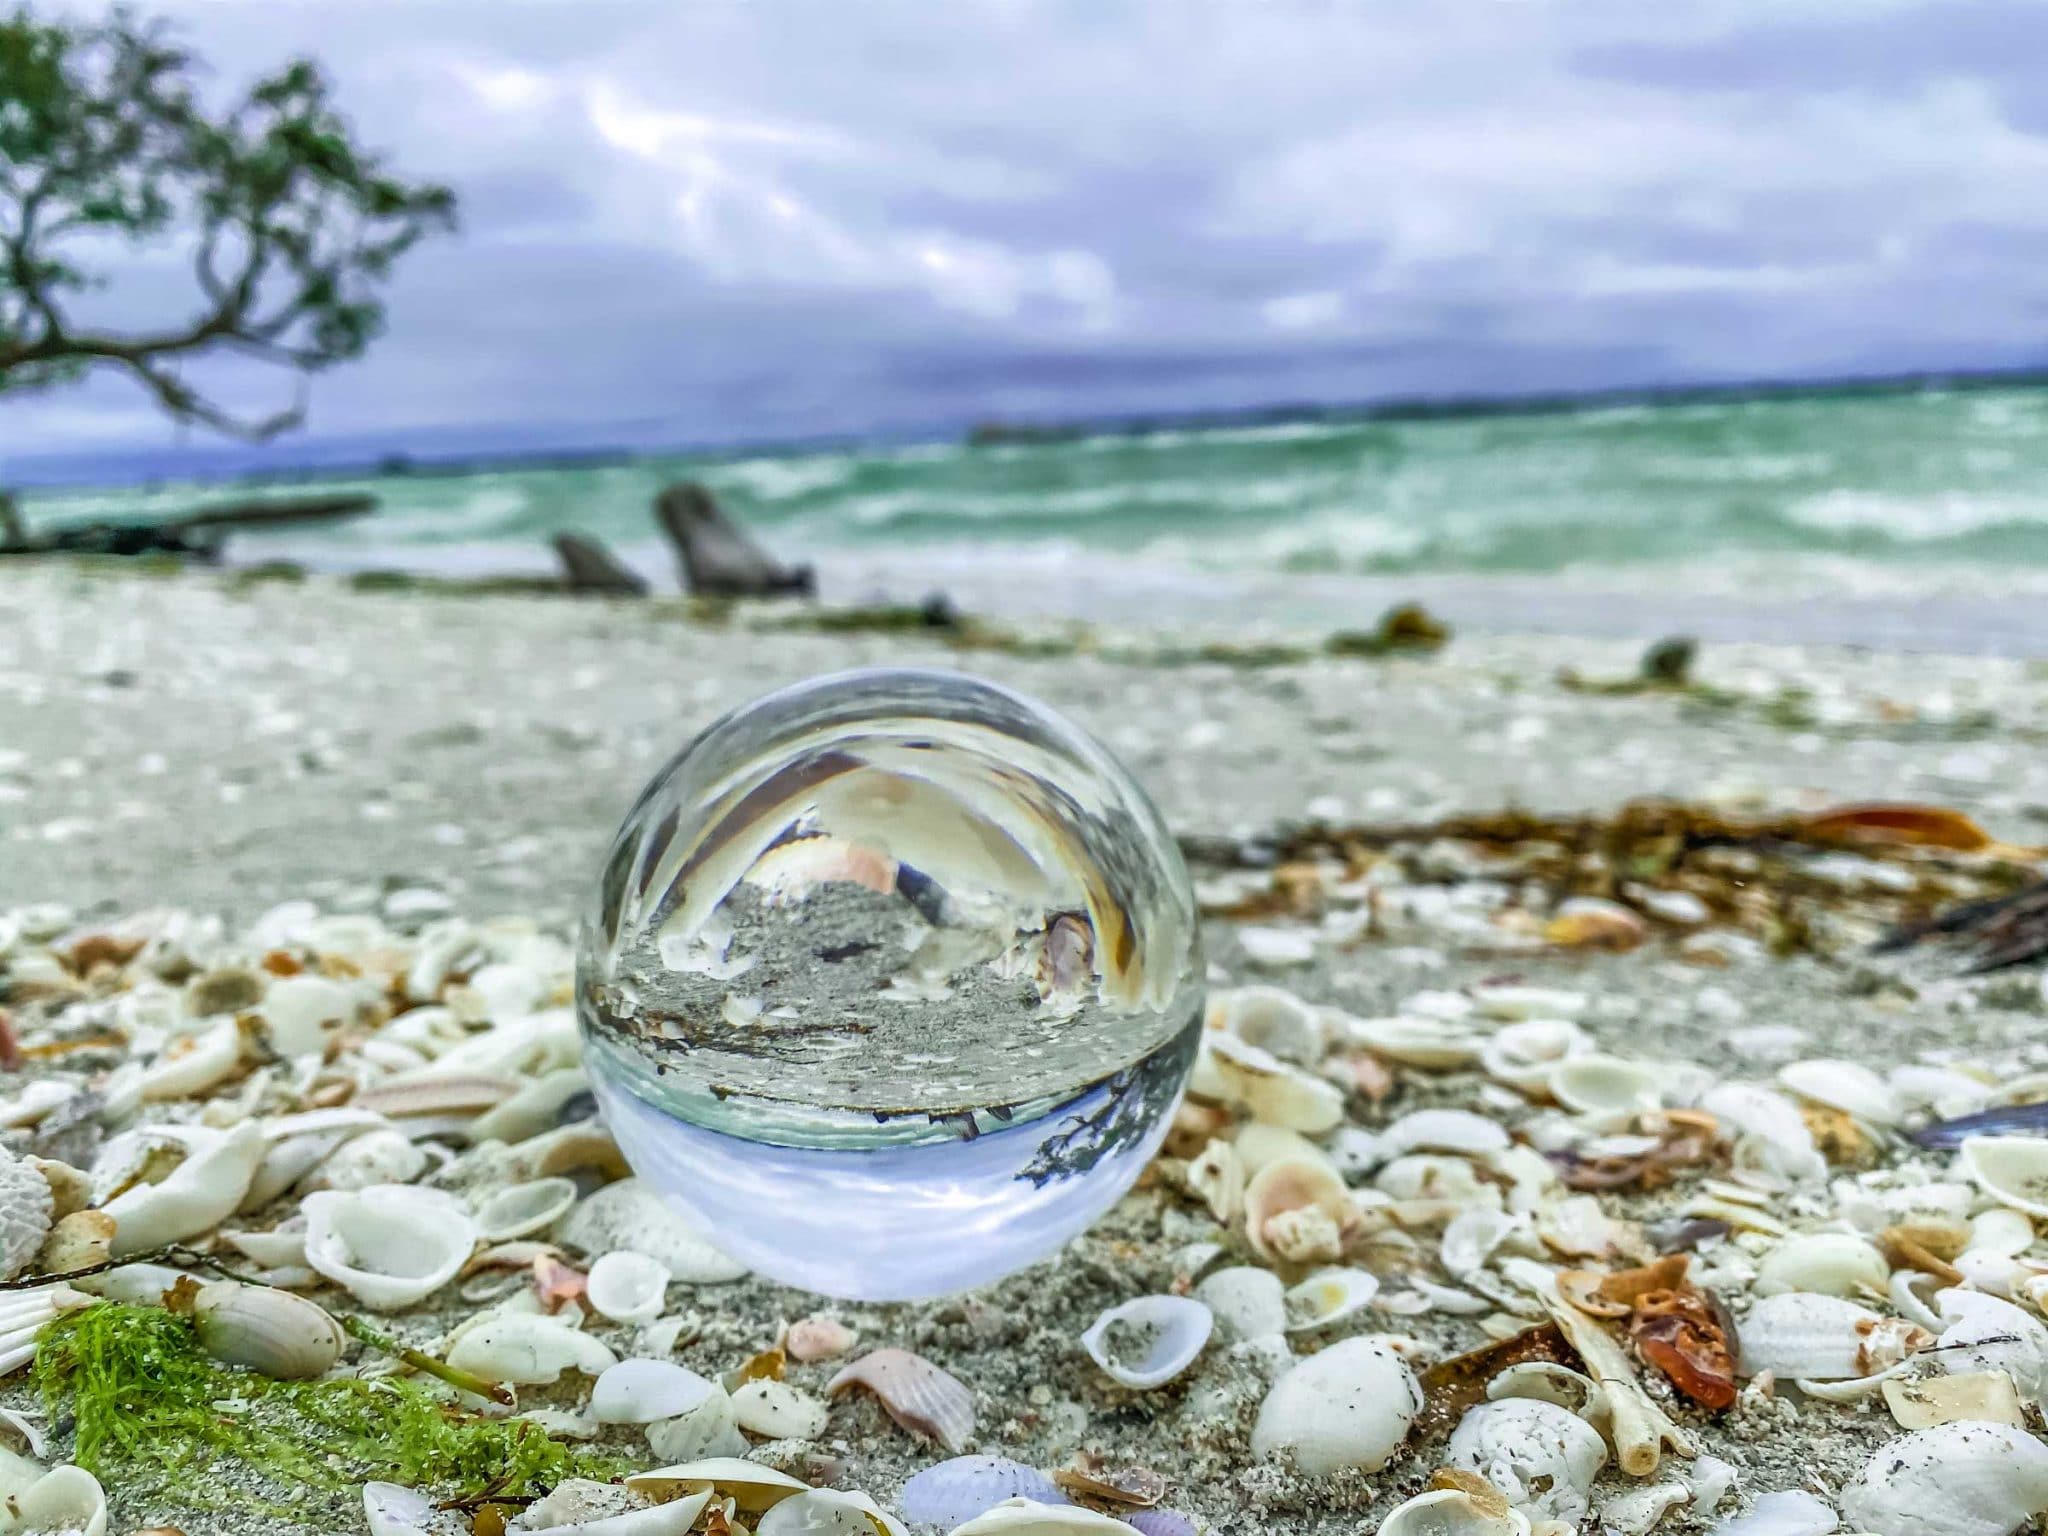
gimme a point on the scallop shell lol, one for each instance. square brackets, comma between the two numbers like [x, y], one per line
[1148, 1341]
[65, 1501]
[627, 1287]
[1605, 1085]
[915, 1393]
[827, 1512]
[2012, 1170]
[750, 1485]
[646, 1392]
[196, 1196]
[778, 1410]
[1966, 1479]
[1454, 1512]
[25, 1210]
[1329, 1296]
[389, 1245]
[1349, 1406]
[519, 1210]
[1543, 1458]
[1271, 1019]
[1801, 1336]
[1827, 1263]
[954, 1492]
[528, 1350]
[1028, 1517]
[1297, 1208]
[630, 1214]
[1848, 1086]
[1246, 1302]
[1272, 1091]
[271, 1332]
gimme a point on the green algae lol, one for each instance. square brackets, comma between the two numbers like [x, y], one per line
[156, 1415]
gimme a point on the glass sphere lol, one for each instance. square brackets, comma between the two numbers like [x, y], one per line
[891, 983]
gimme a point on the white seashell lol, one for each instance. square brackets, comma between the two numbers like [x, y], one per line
[1247, 1303]
[1543, 1458]
[301, 1014]
[1028, 1517]
[1982, 1333]
[1522, 1055]
[779, 1411]
[749, 1484]
[1981, 1396]
[2012, 1170]
[1472, 1236]
[674, 1518]
[1452, 1512]
[1636, 1512]
[1541, 1381]
[1848, 1086]
[1791, 1513]
[1426, 1177]
[194, 1197]
[272, 1332]
[1436, 1045]
[627, 1287]
[535, 1108]
[1270, 1090]
[374, 1157]
[1605, 1085]
[1828, 1263]
[1801, 1336]
[519, 1210]
[389, 1245]
[1273, 1020]
[711, 1429]
[646, 1391]
[1772, 1137]
[1968, 1479]
[1443, 1130]
[1508, 1000]
[1218, 1177]
[824, 1512]
[528, 1350]
[1947, 1093]
[1149, 1341]
[1272, 949]
[1257, 1145]
[1349, 1406]
[191, 1064]
[630, 1214]
[65, 1501]
[1298, 1209]
[2001, 1231]
[954, 1492]
[915, 1393]
[26, 1208]
[1329, 1296]
[1578, 1228]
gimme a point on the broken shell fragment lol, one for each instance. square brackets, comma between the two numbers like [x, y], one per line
[1329, 1296]
[827, 1512]
[818, 1338]
[65, 1501]
[778, 1410]
[2012, 1170]
[528, 1350]
[1297, 1208]
[749, 1484]
[1455, 1512]
[1028, 1517]
[1272, 1091]
[1827, 1263]
[389, 1245]
[646, 1391]
[1541, 1457]
[1350, 1406]
[915, 1393]
[1968, 1479]
[1147, 1342]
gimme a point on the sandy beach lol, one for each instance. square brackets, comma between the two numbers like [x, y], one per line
[221, 745]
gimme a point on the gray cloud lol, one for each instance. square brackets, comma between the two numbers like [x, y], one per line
[700, 222]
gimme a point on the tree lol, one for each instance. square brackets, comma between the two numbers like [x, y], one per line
[290, 225]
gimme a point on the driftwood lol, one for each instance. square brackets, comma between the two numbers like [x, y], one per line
[197, 535]
[717, 557]
[587, 566]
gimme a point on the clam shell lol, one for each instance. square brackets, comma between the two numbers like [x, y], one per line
[1966, 1479]
[1802, 1336]
[1848, 1086]
[66, 1501]
[528, 1350]
[627, 1287]
[1297, 1208]
[1148, 1341]
[1436, 1045]
[629, 1214]
[519, 1210]
[1541, 1457]
[1453, 1512]
[301, 1014]
[1522, 1055]
[2012, 1170]
[1443, 1130]
[1983, 1333]
[1790, 1513]
[924, 1399]
[1028, 1517]
[646, 1391]
[1349, 1406]
[389, 1245]
[1605, 1085]
[1329, 1296]
[954, 1492]
[1827, 1263]
[750, 1485]
[1272, 1020]
[271, 1332]
[675, 1518]
[1246, 1302]
[778, 1410]
[826, 1512]
[26, 1205]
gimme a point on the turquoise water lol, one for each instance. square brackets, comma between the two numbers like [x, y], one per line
[1899, 480]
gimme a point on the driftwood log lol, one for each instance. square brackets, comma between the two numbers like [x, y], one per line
[587, 566]
[196, 535]
[717, 557]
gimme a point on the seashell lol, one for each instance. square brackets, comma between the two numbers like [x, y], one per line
[1436, 1045]
[389, 1245]
[2012, 1170]
[441, 1104]
[535, 1108]
[1329, 1296]
[374, 1157]
[271, 1332]
[749, 1484]
[1218, 1177]
[24, 1314]
[1272, 1020]
[1246, 1302]
[1593, 922]
[1634, 1513]
[777, 1410]
[26, 1205]
[1272, 1091]
[1541, 1381]
[646, 1391]
[196, 1196]
[1349, 1406]
[1472, 1236]
[1979, 1396]
[825, 1512]
[1257, 1145]
[1772, 1135]
[711, 1429]
[1148, 1341]
[1160, 1522]
[1826, 1263]
[1848, 1086]
[2001, 1231]
[1982, 1333]
[674, 1518]
[915, 1393]
[1797, 1335]
[528, 1350]
[283, 1245]
[1605, 1085]
[627, 1287]
[1272, 949]
[1424, 1177]
[1029, 1517]
[79, 1241]
[191, 1064]
[817, 1338]
[1454, 1512]
[302, 1014]
[1298, 1209]
[1513, 1001]
[64, 1501]
[954, 1492]
[1967, 1479]
[1946, 1092]
[1791, 1513]
[1541, 1457]
[1522, 1055]
[1443, 1130]
[630, 1214]
[521, 1209]
[1577, 1228]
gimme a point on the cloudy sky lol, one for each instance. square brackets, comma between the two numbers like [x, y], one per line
[703, 220]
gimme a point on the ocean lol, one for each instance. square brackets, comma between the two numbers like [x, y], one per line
[1931, 502]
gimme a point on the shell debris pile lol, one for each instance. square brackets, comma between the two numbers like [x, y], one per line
[1464, 1260]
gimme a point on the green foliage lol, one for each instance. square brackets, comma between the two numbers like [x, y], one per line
[290, 224]
[157, 1413]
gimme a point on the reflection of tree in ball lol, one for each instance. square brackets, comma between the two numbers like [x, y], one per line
[892, 980]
